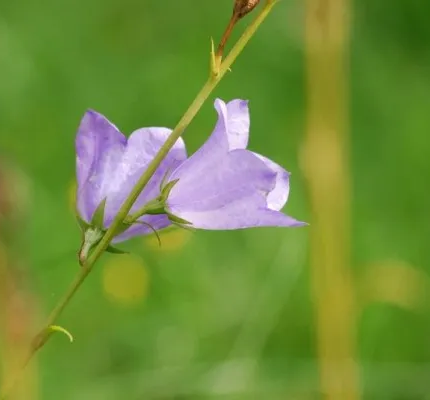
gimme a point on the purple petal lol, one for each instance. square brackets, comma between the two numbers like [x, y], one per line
[224, 186]
[237, 174]
[230, 133]
[246, 212]
[142, 145]
[99, 147]
[235, 116]
[278, 196]
[108, 166]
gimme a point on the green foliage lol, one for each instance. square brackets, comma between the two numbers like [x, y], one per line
[229, 312]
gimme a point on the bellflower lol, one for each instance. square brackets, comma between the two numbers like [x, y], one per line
[225, 186]
[221, 186]
[108, 165]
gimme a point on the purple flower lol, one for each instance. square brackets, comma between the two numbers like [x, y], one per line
[108, 165]
[221, 186]
[225, 186]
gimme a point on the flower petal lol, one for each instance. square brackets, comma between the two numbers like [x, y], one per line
[237, 174]
[142, 145]
[278, 196]
[235, 116]
[246, 212]
[109, 165]
[99, 147]
[224, 186]
[231, 132]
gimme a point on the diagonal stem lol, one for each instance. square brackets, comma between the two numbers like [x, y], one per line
[186, 119]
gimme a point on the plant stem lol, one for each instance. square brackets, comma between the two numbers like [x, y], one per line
[195, 106]
[193, 109]
[327, 44]
[220, 50]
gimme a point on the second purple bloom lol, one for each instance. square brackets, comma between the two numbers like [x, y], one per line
[225, 186]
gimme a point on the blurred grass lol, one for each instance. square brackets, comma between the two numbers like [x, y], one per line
[228, 314]
[326, 165]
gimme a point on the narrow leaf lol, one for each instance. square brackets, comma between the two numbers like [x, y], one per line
[181, 226]
[99, 215]
[166, 190]
[82, 224]
[178, 220]
[114, 250]
[165, 177]
[57, 328]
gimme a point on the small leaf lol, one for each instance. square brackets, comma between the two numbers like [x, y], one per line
[186, 227]
[215, 61]
[154, 207]
[114, 250]
[99, 215]
[83, 224]
[178, 220]
[166, 190]
[165, 176]
[57, 328]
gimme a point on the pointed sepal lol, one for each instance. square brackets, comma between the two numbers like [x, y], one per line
[82, 224]
[45, 334]
[99, 215]
[215, 61]
[183, 226]
[177, 220]
[115, 250]
[166, 190]
[165, 177]
[57, 328]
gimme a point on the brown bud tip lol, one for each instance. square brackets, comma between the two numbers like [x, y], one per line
[243, 7]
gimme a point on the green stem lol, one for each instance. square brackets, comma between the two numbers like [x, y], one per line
[195, 106]
[193, 109]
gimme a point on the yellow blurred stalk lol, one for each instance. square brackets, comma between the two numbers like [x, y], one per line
[326, 165]
[16, 327]
[18, 306]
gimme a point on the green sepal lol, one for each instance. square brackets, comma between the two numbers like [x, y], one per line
[57, 328]
[155, 210]
[183, 226]
[165, 177]
[82, 224]
[178, 220]
[215, 61]
[43, 336]
[99, 215]
[167, 189]
[114, 250]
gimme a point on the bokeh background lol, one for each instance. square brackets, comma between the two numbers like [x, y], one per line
[212, 314]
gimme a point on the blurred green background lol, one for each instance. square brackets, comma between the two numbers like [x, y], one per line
[218, 314]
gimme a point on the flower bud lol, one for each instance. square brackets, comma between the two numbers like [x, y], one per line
[243, 7]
